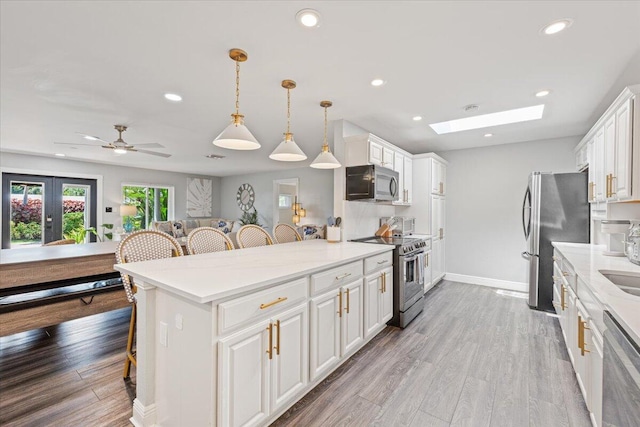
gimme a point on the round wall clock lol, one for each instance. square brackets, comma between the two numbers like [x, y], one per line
[245, 197]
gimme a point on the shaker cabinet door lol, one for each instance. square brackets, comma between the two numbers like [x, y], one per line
[324, 327]
[243, 384]
[352, 316]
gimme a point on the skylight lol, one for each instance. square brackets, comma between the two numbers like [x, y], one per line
[486, 120]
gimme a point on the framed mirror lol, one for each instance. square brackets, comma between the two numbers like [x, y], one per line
[285, 192]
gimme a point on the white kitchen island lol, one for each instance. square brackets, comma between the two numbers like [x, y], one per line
[236, 337]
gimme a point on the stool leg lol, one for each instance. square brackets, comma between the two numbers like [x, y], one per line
[132, 330]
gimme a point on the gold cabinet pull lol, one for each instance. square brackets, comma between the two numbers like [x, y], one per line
[382, 283]
[269, 304]
[611, 192]
[441, 187]
[340, 303]
[591, 191]
[348, 302]
[342, 276]
[565, 274]
[562, 302]
[278, 338]
[441, 232]
[582, 325]
[269, 349]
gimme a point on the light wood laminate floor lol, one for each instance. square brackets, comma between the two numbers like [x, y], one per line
[473, 357]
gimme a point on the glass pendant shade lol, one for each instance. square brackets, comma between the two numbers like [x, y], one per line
[236, 136]
[288, 151]
[325, 160]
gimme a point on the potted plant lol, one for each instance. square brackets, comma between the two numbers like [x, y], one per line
[250, 218]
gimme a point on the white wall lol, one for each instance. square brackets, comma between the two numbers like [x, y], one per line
[315, 192]
[112, 179]
[485, 189]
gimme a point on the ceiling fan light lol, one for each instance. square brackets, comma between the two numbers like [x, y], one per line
[120, 150]
[325, 160]
[288, 151]
[236, 136]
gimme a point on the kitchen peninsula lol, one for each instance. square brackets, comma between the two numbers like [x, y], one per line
[238, 336]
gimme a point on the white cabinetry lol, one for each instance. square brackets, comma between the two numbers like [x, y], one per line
[428, 206]
[378, 300]
[263, 367]
[582, 337]
[336, 326]
[611, 150]
[370, 149]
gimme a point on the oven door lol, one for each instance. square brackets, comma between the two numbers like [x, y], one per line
[411, 279]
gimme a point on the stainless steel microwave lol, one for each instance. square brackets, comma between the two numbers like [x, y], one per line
[372, 183]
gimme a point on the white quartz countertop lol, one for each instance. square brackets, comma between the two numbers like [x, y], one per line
[46, 253]
[214, 276]
[587, 260]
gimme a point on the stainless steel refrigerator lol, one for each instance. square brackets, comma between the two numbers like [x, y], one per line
[555, 209]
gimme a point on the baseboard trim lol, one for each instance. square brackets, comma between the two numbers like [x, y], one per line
[143, 416]
[485, 281]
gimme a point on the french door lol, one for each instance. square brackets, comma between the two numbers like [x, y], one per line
[39, 209]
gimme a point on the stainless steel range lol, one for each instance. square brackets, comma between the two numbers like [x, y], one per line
[408, 276]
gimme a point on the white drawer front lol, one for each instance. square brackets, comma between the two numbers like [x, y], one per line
[335, 277]
[264, 303]
[379, 261]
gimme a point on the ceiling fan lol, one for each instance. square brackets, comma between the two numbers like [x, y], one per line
[119, 145]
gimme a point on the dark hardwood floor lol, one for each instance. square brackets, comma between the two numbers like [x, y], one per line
[67, 375]
[473, 358]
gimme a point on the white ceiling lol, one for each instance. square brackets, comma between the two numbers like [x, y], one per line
[70, 67]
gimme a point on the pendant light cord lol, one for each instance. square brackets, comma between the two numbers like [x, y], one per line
[288, 110]
[325, 145]
[237, 87]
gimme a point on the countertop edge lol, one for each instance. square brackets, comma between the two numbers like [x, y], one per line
[256, 286]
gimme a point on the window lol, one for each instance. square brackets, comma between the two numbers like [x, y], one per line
[284, 201]
[153, 203]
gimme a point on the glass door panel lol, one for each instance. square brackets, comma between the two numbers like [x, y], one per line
[40, 209]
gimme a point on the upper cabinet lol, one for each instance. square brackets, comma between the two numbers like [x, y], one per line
[611, 151]
[370, 149]
[438, 177]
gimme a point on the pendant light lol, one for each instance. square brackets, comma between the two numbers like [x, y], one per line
[236, 136]
[288, 150]
[325, 159]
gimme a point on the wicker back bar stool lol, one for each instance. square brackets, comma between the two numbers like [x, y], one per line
[207, 239]
[284, 233]
[250, 236]
[141, 245]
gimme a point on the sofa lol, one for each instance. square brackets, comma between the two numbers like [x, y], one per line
[182, 227]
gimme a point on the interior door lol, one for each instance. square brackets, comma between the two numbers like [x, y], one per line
[39, 209]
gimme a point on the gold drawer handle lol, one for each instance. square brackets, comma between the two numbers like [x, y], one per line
[340, 303]
[270, 348]
[565, 274]
[343, 276]
[348, 302]
[277, 347]
[269, 304]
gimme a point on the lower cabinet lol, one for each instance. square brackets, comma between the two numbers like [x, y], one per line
[264, 366]
[378, 298]
[582, 338]
[336, 326]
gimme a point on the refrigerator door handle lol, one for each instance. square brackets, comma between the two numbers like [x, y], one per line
[527, 255]
[526, 226]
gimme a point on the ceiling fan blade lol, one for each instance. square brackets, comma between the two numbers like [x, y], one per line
[151, 145]
[92, 138]
[153, 153]
[74, 143]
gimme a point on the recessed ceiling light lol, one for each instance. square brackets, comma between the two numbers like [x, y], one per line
[377, 82]
[542, 93]
[417, 118]
[215, 156]
[308, 18]
[488, 135]
[556, 26]
[173, 97]
[487, 120]
[90, 138]
[60, 154]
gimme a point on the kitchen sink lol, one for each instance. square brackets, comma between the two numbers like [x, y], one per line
[628, 282]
